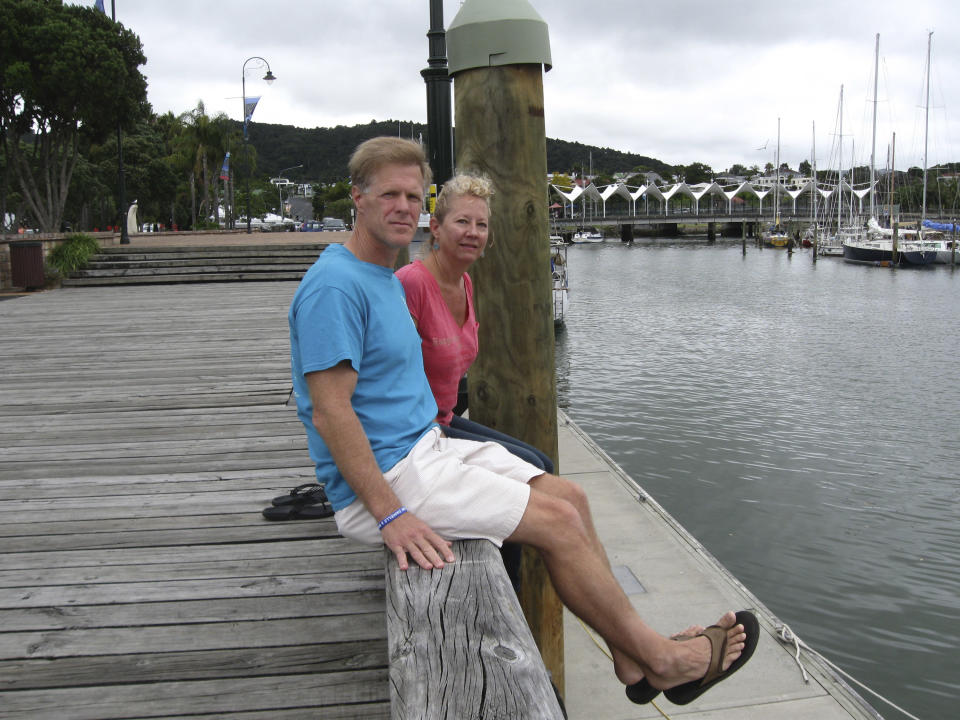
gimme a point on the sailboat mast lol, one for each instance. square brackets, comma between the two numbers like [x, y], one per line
[840, 168]
[893, 174]
[873, 151]
[853, 170]
[926, 131]
[813, 211]
[776, 191]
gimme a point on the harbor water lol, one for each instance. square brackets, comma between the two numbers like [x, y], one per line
[803, 422]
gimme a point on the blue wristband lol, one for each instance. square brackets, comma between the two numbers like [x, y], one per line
[391, 517]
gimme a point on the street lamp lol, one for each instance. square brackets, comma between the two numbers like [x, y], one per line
[122, 195]
[438, 79]
[269, 77]
[281, 181]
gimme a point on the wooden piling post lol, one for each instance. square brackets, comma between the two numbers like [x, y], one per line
[893, 254]
[495, 54]
[743, 237]
[953, 245]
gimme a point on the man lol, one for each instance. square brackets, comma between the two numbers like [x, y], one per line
[392, 477]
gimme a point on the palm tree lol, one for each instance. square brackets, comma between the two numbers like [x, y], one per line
[199, 147]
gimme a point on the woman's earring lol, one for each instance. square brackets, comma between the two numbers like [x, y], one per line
[436, 246]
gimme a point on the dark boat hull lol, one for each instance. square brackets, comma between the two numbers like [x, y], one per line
[854, 253]
[918, 257]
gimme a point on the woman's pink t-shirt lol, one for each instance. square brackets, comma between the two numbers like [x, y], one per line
[448, 349]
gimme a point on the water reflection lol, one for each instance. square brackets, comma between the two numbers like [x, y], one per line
[811, 412]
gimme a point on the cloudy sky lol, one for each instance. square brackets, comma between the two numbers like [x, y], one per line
[681, 80]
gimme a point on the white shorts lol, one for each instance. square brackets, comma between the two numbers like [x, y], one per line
[462, 489]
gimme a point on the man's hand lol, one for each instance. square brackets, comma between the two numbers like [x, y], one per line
[409, 534]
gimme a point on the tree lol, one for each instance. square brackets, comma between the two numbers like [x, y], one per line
[201, 145]
[324, 200]
[805, 168]
[62, 67]
[697, 173]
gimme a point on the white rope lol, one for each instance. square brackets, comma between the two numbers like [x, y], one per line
[787, 636]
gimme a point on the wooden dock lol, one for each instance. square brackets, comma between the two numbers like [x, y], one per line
[143, 429]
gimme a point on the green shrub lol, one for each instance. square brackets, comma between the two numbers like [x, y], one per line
[73, 253]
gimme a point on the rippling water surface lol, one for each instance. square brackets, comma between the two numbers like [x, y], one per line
[803, 421]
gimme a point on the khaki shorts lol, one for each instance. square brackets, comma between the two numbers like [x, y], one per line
[462, 489]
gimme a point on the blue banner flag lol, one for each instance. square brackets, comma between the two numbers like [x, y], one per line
[99, 6]
[225, 170]
[249, 105]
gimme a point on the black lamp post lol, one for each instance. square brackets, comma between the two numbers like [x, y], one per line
[269, 77]
[437, 79]
[122, 196]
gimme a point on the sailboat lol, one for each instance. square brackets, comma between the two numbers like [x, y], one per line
[926, 248]
[832, 245]
[873, 245]
[920, 246]
[775, 236]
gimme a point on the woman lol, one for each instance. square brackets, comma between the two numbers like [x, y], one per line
[440, 299]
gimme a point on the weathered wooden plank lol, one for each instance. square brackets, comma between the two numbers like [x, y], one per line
[90, 642]
[158, 448]
[289, 530]
[216, 488]
[367, 711]
[197, 400]
[181, 522]
[306, 604]
[281, 475]
[137, 505]
[459, 641]
[326, 656]
[228, 462]
[39, 430]
[233, 569]
[269, 586]
[107, 702]
[266, 550]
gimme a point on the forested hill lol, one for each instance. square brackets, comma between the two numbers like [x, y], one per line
[324, 152]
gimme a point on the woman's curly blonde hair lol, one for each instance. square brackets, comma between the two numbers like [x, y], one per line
[460, 185]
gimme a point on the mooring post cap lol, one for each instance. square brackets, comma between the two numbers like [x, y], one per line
[487, 33]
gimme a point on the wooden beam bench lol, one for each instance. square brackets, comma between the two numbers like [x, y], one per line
[459, 644]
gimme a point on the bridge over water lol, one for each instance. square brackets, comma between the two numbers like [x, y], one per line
[748, 221]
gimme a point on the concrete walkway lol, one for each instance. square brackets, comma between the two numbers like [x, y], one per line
[674, 582]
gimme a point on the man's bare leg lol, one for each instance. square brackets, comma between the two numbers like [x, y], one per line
[557, 522]
[626, 669]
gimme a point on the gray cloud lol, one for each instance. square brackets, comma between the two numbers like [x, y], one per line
[684, 81]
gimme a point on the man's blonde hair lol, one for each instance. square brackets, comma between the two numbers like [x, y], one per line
[374, 154]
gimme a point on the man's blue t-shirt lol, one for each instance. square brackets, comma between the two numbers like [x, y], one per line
[348, 309]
